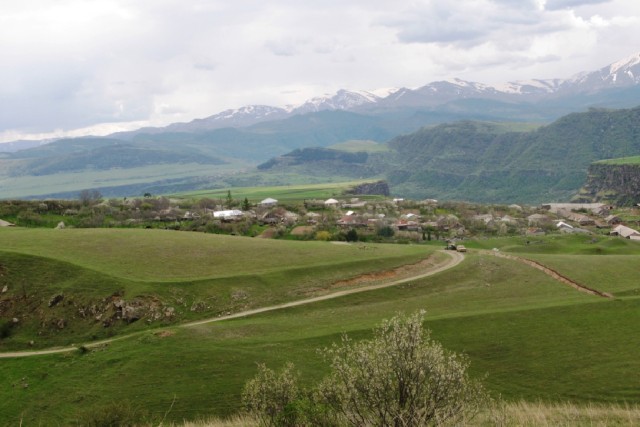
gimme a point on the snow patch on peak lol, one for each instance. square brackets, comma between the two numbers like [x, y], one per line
[384, 92]
[625, 63]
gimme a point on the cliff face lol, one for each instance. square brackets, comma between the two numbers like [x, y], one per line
[612, 184]
[375, 188]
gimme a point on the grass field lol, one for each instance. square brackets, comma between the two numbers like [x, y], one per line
[19, 186]
[284, 193]
[534, 338]
[635, 160]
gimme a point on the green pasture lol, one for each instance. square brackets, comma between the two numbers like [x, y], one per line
[634, 160]
[282, 193]
[571, 244]
[533, 337]
[17, 186]
[605, 263]
[198, 275]
[165, 255]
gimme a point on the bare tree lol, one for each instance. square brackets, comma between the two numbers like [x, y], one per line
[90, 197]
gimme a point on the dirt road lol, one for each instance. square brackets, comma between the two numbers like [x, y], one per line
[455, 259]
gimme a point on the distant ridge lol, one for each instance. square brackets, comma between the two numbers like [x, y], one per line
[620, 74]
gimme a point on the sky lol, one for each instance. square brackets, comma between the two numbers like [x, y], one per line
[75, 67]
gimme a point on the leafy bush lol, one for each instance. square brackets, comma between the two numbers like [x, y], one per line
[401, 377]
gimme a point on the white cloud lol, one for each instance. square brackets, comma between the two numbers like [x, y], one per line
[75, 64]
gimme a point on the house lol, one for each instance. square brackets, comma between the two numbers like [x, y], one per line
[537, 219]
[268, 203]
[613, 220]
[4, 223]
[563, 225]
[331, 203]
[191, 215]
[595, 208]
[626, 232]
[228, 215]
[580, 219]
[406, 225]
[351, 221]
[485, 218]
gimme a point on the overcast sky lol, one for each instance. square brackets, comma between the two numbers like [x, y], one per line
[108, 65]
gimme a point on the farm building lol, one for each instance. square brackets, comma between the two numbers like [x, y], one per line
[626, 232]
[331, 203]
[268, 203]
[228, 214]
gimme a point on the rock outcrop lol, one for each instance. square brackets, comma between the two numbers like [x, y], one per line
[609, 183]
[370, 188]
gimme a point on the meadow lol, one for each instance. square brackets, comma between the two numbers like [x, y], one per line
[283, 193]
[534, 338]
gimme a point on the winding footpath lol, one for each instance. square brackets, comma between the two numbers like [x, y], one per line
[455, 258]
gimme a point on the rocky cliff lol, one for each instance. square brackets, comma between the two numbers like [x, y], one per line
[612, 183]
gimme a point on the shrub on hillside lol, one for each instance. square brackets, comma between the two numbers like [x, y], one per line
[401, 377]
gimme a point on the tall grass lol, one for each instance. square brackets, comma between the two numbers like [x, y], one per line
[522, 413]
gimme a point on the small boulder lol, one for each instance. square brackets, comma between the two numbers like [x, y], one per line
[5, 289]
[55, 300]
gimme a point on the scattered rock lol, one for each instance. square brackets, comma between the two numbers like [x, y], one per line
[32, 343]
[169, 312]
[239, 295]
[60, 226]
[198, 306]
[61, 324]
[5, 288]
[55, 300]
[15, 320]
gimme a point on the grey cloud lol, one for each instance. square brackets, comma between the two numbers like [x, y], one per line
[564, 4]
[282, 47]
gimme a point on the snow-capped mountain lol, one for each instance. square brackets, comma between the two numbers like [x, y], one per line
[342, 100]
[624, 73]
[619, 74]
[240, 117]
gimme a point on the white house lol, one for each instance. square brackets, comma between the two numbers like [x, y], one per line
[331, 203]
[626, 232]
[268, 202]
[228, 214]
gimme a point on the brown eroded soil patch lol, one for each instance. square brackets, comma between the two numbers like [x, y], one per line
[164, 334]
[396, 273]
[301, 230]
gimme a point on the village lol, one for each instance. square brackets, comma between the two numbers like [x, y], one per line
[364, 218]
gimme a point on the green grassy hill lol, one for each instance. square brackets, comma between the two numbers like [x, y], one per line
[534, 337]
[165, 277]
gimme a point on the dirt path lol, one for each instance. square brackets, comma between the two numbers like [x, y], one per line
[455, 259]
[552, 273]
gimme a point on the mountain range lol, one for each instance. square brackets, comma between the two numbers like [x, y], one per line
[223, 149]
[586, 88]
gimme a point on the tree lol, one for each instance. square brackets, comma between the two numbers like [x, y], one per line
[229, 200]
[246, 205]
[400, 377]
[90, 197]
[352, 235]
[271, 395]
